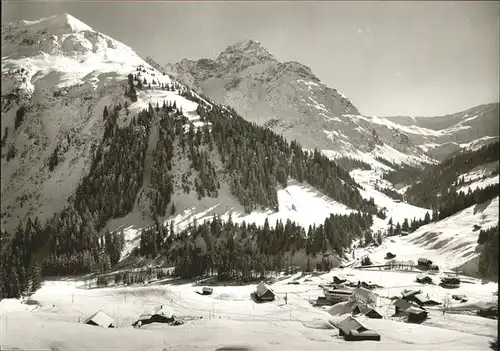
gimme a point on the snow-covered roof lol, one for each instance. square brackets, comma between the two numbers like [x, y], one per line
[364, 309]
[262, 289]
[414, 310]
[402, 304]
[350, 324]
[101, 319]
[410, 293]
[363, 293]
[144, 317]
[164, 311]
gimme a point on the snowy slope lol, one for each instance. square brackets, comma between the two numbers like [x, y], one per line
[480, 177]
[398, 211]
[298, 202]
[64, 73]
[449, 243]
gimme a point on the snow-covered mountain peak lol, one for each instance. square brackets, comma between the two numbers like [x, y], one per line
[57, 76]
[60, 35]
[60, 22]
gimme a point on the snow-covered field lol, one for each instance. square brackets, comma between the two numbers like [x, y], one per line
[295, 325]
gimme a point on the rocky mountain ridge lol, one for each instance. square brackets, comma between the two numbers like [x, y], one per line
[291, 100]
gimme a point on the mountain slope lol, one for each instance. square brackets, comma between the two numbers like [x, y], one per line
[57, 76]
[95, 134]
[450, 243]
[290, 99]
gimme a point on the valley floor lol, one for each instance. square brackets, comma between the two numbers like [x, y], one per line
[229, 317]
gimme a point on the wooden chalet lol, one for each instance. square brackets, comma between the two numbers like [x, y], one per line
[416, 315]
[401, 306]
[207, 291]
[424, 279]
[352, 330]
[264, 293]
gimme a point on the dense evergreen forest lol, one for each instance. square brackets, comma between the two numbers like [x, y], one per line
[256, 159]
[231, 250]
[69, 242]
[488, 259]
[349, 164]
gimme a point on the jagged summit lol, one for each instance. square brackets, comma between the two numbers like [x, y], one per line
[241, 55]
[248, 48]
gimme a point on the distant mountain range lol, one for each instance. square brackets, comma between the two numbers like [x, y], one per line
[291, 100]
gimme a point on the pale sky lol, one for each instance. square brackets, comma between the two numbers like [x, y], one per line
[388, 58]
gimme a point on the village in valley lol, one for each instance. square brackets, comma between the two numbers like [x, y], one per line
[350, 303]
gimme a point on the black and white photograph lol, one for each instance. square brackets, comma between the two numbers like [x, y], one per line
[249, 175]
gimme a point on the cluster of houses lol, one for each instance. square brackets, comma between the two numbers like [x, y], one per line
[360, 300]
[412, 305]
[448, 282]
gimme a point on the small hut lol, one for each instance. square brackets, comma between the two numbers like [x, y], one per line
[424, 279]
[461, 297]
[264, 293]
[162, 314]
[207, 291]
[389, 256]
[143, 319]
[352, 330]
[450, 282]
[100, 319]
[424, 263]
